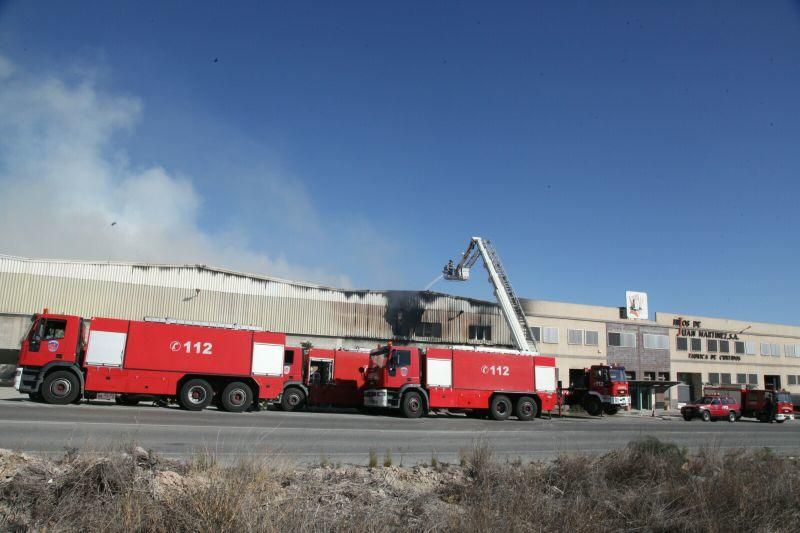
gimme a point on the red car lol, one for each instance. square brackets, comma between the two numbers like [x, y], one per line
[712, 407]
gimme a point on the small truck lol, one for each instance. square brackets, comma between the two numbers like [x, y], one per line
[599, 389]
[497, 383]
[764, 405]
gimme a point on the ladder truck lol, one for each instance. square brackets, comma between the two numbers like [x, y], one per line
[483, 381]
[603, 388]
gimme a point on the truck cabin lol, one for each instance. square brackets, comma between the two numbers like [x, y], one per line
[393, 366]
[600, 375]
[51, 337]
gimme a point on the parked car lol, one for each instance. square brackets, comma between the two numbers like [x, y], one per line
[712, 407]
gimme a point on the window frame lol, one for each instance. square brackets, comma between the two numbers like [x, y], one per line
[569, 337]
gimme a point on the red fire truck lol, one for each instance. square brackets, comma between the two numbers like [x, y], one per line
[64, 358]
[598, 389]
[763, 405]
[330, 378]
[497, 383]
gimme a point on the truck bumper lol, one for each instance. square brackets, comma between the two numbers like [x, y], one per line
[381, 398]
[27, 379]
[621, 401]
[784, 416]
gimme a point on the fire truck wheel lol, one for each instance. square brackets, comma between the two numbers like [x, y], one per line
[610, 409]
[196, 395]
[706, 416]
[413, 406]
[236, 397]
[593, 405]
[526, 409]
[60, 387]
[293, 399]
[732, 416]
[500, 408]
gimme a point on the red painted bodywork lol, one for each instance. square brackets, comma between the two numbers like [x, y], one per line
[156, 355]
[345, 387]
[754, 401]
[473, 380]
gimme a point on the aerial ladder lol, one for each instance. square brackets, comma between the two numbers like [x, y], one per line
[509, 303]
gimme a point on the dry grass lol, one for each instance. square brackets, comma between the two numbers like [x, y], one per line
[648, 486]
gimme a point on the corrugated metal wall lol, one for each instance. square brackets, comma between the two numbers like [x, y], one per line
[200, 293]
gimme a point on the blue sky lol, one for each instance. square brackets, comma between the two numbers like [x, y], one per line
[602, 146]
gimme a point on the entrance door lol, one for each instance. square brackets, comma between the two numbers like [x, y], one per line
[695, 382]
[772, 382]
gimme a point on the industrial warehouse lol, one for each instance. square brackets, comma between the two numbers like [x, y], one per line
[670, 349]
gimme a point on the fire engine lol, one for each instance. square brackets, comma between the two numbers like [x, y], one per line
[764, 405]
[497, 383]
[600, 388]
[65, 358]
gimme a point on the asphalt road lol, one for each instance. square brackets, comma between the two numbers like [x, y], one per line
[348, 437]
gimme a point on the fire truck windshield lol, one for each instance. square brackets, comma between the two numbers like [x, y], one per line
[783, 397]
[377, 360]
[617, 374]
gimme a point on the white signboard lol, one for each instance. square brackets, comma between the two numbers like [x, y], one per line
[636, 305]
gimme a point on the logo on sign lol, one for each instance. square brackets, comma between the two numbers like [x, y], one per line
[52, 346]
[175, 346]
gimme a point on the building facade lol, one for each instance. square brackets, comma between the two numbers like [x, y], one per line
[673, 347]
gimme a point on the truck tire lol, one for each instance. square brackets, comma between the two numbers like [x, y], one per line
[60, 387]
[413, 405]
[500, 407]
[610, 409]
[236, 397]
[732, 416]
[293, 399]
[195, 395]
[706, 416]
[593, 405]
[526, 409]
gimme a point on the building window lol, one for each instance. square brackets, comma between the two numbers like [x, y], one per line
[430, 329]
[574, 336]
[765, 348]
[697, 345]
[724, 346]
[790, 350]
[656, 342]
[738, 347]
[725, 379]
[792, 380]
[663, 376]
[650, 376]
[624, 340]
[776, 350]
[750, 347]
[480, 333]
[713, 378]
[711, 345]
[752, 379]
[630, 375]
[683, 344]
[741, 379]
[591, 338]
[536, 333]
[551, 335]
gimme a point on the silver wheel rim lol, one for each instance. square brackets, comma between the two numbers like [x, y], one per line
[197, 395]
[293, 399]
[237, 397]
[61, 388]
[413, 404]
[502, 408]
